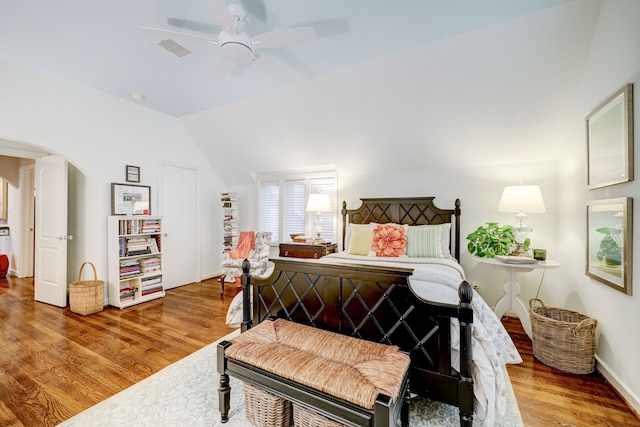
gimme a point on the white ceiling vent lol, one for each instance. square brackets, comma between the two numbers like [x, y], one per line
[174, 47]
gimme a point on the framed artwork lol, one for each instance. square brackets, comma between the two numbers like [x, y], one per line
[4, 188]
[132, 173]
[610, 242]
[130, 199]
[610, 140]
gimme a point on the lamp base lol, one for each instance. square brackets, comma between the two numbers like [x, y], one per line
[318, 240]
[520, 252]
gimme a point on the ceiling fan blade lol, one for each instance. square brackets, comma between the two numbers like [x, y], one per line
[222, 15]
[293, 62]
[327, 27]
[271, 67]
[222, 69]
[203, 27]
[284, 37]
[256, 9]
[178, 35]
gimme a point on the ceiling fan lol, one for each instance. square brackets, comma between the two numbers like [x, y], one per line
[237, 47]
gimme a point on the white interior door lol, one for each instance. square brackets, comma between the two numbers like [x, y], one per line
[27, 213]
[180, 244]
[50, 279]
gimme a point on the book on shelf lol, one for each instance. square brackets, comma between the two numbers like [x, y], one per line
[151, 226]
[149, 286]
[151, 291]
[147, 282]
[127, 294]
[150, 265]
[153, 245]
[228, 196]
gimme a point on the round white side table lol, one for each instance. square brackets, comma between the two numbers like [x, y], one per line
[511, 300]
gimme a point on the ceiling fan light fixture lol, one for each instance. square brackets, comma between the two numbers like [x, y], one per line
[237, 48]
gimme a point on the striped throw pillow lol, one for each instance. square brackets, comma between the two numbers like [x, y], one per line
[424, 241]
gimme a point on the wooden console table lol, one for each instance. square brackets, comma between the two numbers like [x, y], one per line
[305, 250]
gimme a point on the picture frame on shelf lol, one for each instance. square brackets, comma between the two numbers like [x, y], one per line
[609, 251]
[132, 173]
[129, 199]
[4, 189]
[610, 140]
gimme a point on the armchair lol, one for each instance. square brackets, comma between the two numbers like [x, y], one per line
[258, 258]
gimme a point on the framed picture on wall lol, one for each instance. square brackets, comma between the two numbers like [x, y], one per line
[610, 242]
[130, 199]
[132, 173]
[610, 140]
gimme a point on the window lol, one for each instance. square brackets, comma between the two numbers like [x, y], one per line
[282, 201]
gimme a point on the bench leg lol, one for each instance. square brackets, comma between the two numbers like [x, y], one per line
[224, 396]
[404, 411]
[465, 420]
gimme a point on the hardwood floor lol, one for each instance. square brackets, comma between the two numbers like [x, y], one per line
[549, 397]
[55, 363]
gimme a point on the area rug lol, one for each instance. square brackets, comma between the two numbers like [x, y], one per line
[186, 394]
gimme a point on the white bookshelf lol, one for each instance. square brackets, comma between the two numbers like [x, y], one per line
[229, 220]
[135, 259]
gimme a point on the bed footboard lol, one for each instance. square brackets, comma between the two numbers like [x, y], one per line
[376, 304]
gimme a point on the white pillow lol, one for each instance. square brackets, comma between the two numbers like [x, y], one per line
[444, 239]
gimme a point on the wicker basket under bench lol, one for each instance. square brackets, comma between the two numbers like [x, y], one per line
[346, 380]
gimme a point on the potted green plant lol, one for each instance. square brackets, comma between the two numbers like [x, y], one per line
[492, 239]
[610, 244]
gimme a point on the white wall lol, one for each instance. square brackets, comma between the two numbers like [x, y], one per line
[614, 60]
[99, 135]
[343, 132]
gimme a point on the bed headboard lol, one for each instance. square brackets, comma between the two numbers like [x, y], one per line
[404, 210]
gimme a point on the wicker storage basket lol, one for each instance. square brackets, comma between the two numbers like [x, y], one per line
[86, 296]
[303, 417]
[264, 409]
[563, 339]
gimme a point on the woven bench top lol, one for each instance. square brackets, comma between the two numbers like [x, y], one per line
[345, 367]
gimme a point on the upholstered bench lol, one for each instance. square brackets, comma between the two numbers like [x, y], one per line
[345, 379]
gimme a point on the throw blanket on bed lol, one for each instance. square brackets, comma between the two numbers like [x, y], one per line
[246, 242]
[438, 279]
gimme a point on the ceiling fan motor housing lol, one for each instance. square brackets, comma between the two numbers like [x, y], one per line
[237, 48]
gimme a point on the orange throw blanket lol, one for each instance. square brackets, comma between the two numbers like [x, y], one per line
[246, 242]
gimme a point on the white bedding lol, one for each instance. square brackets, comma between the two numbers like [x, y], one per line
[437, 279]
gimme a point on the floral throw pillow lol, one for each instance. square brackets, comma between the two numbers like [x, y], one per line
[389, 240]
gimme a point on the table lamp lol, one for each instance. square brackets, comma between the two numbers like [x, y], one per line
[318, 203]
[521, 199]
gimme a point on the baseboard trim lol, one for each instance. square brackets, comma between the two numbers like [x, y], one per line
[632, 400]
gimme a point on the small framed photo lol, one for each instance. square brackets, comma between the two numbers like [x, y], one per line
[132, 173]
[130, 199]
[610, 242]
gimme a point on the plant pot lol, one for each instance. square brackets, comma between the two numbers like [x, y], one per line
[612, 258]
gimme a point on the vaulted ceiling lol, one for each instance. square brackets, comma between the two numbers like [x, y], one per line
[101, 45]
[456, 82]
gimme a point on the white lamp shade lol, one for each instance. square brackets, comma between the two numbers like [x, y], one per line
[319, 203]
[521, 198]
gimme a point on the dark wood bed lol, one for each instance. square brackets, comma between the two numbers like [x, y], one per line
[377, 303]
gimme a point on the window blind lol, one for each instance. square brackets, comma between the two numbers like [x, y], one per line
[283, 201]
